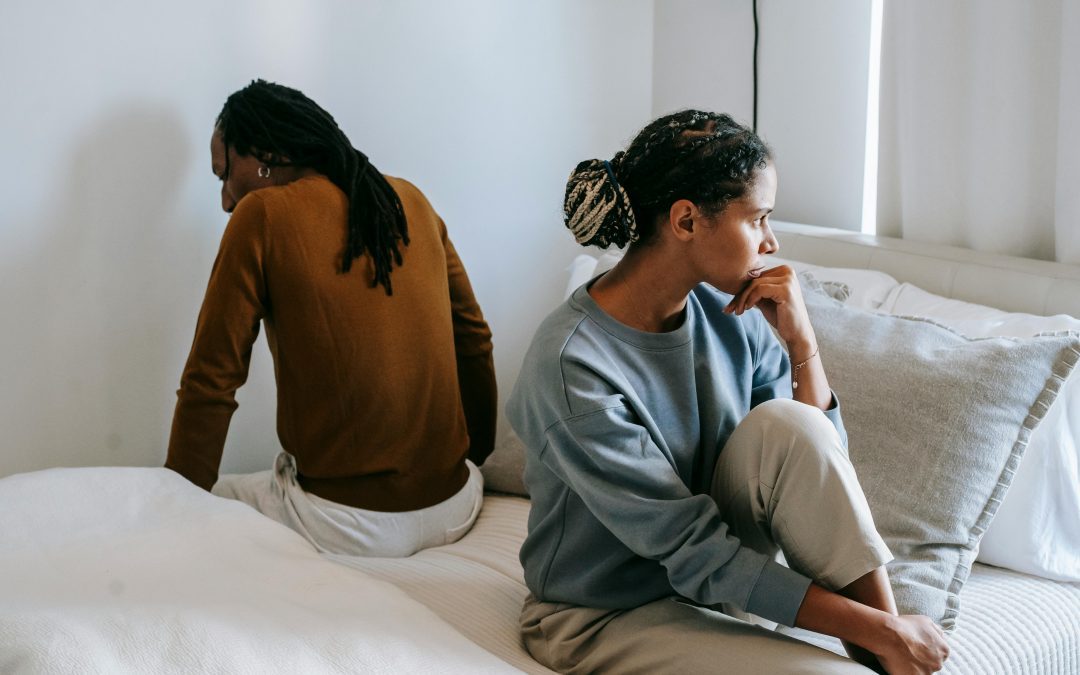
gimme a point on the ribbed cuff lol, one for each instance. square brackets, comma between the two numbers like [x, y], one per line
[833, 415]
[778, 593]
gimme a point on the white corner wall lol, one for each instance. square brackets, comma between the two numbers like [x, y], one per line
[813, 60]
[110, 217]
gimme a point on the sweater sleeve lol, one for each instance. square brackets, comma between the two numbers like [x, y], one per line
[624, 479]
[473, 349]
[217, 366]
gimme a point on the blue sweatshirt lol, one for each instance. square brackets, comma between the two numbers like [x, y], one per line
[622, 430]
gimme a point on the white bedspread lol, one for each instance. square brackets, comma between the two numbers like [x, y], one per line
[136, 570]
[1010, 623]
[476, 584]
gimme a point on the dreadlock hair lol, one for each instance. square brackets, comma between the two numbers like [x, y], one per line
[707, 158]
[283, 127]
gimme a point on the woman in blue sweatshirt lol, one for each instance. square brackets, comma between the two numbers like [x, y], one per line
[674, 448]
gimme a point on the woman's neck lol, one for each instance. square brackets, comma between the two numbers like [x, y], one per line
[636, 293]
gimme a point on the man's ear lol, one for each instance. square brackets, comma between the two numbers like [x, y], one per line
[273, 159]
[681, 217]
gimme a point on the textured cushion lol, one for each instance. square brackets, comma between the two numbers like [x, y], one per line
[937, 425]
[504, 469]
[1037, 527]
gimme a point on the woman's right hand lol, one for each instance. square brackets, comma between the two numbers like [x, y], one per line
[917, 646]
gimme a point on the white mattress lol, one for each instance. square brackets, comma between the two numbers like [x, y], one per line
[1009, 622]
[1015, 623]
[476, 585]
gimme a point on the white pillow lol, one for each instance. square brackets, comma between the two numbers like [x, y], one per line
[866, 289]
[581, 269]
[586, 266]
[1037, 527]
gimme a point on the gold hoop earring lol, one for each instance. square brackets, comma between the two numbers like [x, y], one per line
[264, 171]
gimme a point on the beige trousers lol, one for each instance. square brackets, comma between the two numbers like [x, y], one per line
[784, 485]
[346, 530]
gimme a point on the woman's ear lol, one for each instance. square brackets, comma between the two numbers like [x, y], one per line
[681, 218]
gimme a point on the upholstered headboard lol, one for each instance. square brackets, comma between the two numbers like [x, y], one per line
[1009, 283]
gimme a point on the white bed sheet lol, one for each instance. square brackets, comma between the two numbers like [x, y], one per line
[1009, 622]
[476, 584]
[121, 570]
[136, 570]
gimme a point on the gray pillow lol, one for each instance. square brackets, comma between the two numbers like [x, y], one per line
[504, 468]
[937, 425]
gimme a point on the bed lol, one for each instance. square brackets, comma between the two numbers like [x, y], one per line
[124, 570]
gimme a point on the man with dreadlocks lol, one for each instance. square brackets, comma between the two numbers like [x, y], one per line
[673, 449]
[386, 388]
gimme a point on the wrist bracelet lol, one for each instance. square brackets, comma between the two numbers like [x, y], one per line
[797, 367]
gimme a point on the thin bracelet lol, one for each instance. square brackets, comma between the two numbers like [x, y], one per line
[797, 367]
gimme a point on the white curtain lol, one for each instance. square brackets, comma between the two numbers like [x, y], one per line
[980, 125]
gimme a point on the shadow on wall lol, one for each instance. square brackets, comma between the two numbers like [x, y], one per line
[97, 305]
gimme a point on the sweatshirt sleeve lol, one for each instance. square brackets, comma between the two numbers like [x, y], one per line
[475, 364]
[235, 303]
[624, 479]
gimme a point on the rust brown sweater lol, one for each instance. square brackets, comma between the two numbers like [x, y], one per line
[377, 395]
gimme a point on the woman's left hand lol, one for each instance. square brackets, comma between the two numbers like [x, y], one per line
[778, 295]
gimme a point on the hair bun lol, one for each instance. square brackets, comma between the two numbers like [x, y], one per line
[596, 208]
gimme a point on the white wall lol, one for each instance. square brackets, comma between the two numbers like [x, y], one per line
[1067, 197]
[109, 219]
[703, 57]
[812, 101]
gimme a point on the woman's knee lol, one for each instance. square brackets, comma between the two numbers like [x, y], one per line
[793, 417]
[773, 435]
[785, 429]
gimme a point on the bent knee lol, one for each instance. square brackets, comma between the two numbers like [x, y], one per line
[770, 437]
[790, 414]
[787, 426]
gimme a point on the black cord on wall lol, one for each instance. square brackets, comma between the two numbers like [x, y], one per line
[755, 63]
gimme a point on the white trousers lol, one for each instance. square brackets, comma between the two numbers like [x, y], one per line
[784, 485]
[336, 528]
